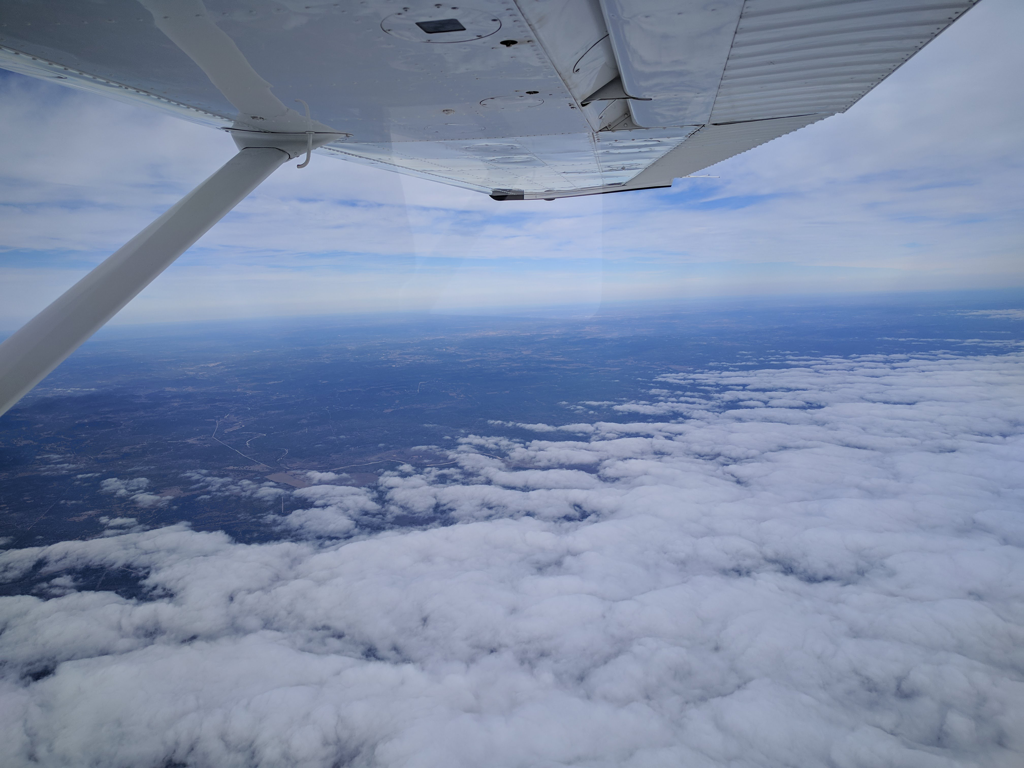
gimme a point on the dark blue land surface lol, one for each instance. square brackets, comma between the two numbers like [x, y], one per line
[265, 402]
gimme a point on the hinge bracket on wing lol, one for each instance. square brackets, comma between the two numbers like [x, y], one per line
[611, 91]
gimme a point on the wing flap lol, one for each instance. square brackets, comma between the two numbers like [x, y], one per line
[715, 143]
[672, 52]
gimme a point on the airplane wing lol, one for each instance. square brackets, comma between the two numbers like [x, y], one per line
[520, 99]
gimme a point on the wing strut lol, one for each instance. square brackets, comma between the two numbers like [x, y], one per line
[48, 338]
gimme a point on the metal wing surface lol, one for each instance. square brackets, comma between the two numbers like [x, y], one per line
[520, 99]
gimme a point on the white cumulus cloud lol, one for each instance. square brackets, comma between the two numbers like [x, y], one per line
[832, 578]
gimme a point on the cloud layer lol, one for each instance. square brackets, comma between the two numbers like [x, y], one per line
[813, 564]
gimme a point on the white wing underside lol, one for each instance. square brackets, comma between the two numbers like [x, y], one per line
[529, 99]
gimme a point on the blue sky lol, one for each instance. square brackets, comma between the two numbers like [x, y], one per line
[918, 187]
